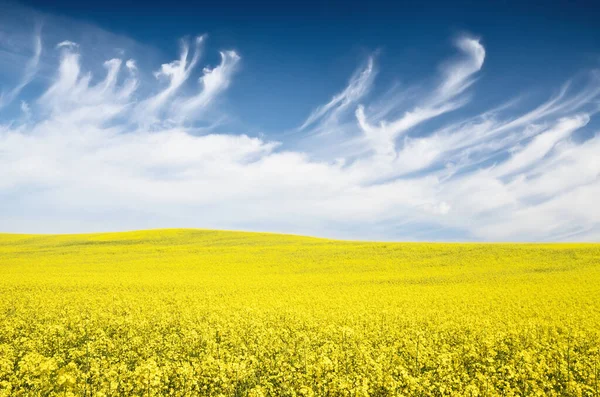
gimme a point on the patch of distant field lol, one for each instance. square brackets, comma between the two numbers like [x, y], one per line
[211, 313]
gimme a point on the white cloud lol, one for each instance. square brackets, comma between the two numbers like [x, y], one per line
[67, 44]
[148, 112]
[358, 86]
[29, 72]
[458, 75]
[541, 144]
[107, 151]
[213, 81]
[457, 78]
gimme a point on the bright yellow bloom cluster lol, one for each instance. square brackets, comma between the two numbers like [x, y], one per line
[206, 313]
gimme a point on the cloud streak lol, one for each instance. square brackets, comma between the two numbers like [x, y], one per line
[29, 72]
[213, 81]
[358, 86]
[457, 78]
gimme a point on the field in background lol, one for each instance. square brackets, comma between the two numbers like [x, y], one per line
[192, 312]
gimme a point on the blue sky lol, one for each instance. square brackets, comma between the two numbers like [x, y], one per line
[411, 121]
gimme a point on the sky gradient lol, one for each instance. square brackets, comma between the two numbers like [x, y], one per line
[413, 121]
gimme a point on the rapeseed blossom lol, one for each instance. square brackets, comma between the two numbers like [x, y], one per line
[207, 313]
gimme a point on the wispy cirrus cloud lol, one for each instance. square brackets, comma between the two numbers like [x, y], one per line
[213, 81]
[457, 77]
[109, 148]
[358, 86]
[176, 73]
[30, 70]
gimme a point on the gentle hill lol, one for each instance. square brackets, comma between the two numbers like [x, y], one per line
[188, 255]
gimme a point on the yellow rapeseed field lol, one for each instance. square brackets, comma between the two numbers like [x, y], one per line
[210, 313]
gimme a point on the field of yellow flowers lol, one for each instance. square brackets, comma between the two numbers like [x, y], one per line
[209, 313]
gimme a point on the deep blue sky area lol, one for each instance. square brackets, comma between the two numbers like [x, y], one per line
[311, 48]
